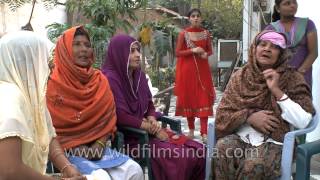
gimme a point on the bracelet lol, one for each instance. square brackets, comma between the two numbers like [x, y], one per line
[101, 143]
[65, 167]
[283, 99]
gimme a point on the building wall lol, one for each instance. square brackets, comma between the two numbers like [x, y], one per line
[13, 21]
[251, 26]
[309, 8]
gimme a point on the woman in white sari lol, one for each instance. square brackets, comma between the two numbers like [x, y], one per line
[27, 136]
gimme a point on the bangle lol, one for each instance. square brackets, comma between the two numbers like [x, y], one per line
[65, 167]
[101, 143]
[283, 99]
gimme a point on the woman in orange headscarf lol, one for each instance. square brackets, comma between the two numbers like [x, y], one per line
[82, 108]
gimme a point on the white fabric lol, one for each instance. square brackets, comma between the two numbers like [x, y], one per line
[99, 174]
[292, 112]
[23, 112]
[130, 170]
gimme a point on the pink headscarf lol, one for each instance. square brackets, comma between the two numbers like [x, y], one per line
[274, 38]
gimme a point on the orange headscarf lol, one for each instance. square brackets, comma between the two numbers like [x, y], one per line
[80, 100]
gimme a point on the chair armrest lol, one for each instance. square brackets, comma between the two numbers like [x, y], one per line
[118, 141]
[304, 154]
[210, 147]
[175, 124]
[133, 130]
[288, 148]
[312, 147]
[140, 133]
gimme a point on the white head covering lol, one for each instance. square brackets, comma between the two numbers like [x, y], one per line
[24, 72]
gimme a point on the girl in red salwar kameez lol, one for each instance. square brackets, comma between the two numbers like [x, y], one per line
[193, 86]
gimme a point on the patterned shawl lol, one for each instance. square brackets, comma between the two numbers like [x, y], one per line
[130, 98]
[79, 99]
[247, 90]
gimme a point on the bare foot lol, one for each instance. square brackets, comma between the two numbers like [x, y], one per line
[204, 138]
[191, 133]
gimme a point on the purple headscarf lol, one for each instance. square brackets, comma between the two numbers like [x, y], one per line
[131, 98]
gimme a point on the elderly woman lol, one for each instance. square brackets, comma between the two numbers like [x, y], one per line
[172, 156]
[262, 102]
[81, 104]
[27, 136]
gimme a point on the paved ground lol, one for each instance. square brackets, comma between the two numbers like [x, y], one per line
[315, 162]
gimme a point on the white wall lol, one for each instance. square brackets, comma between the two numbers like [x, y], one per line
[310, 8]
[251, 27]
[13, 21]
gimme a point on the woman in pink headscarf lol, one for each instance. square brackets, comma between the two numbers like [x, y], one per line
[262, 101]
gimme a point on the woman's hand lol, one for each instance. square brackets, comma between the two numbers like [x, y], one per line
[272, 79]
[197, 50]
[155, 126]
[150, 128]
[162, 135]
[57, 157]
[204, 55]
[72, 173]
[263, 121]
[96, 151]
[145, 125]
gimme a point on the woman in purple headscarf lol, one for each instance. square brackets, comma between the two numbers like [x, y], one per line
[135, 108]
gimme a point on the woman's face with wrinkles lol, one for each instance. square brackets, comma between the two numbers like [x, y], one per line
[82, 51]
[267, 54]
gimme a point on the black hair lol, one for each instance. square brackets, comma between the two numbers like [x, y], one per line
[81, 32]
[276, 14]
[194, 10]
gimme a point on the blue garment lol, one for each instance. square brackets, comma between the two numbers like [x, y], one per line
[111, 158]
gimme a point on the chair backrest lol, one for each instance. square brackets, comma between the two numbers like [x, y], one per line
[289, 146]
